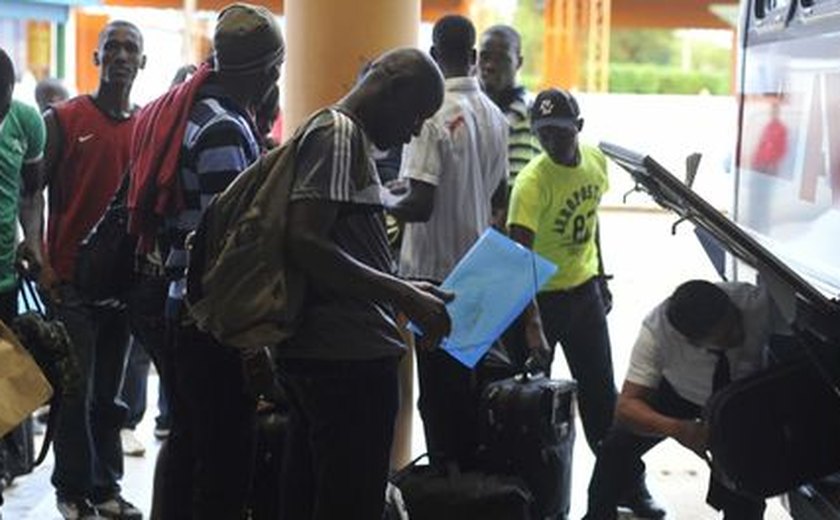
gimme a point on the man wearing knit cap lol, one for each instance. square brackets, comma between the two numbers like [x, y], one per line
[210, 453]
[690, 346]
[340, 367]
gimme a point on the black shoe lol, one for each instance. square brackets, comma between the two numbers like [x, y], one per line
[118, 508]
[643, 506]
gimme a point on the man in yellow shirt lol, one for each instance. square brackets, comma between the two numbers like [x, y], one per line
[554, 211]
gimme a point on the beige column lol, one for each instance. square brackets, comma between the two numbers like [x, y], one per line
[328, 41]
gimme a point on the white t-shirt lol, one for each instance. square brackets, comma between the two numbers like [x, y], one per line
[660, 351]
[462, 151]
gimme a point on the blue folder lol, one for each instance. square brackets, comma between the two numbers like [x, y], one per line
[493, 284]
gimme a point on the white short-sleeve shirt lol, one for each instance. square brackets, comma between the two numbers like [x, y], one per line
[662, 352]
[462, 151]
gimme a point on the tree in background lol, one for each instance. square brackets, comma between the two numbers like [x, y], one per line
[643, 46]
[642, 61]
[528, 20]
[668, 62]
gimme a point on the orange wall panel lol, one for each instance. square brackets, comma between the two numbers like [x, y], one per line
[667, 14]
[88, 27]
[432, 9]
[207, 5]
[39, 44]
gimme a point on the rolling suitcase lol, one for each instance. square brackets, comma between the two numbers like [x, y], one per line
[528, 430]
[775, 430]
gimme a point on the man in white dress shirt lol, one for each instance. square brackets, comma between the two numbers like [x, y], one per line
[453, 170]
[691, 345]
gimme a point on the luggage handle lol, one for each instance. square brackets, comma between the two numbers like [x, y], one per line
[531, 370]
[31, 301]
[449, 469]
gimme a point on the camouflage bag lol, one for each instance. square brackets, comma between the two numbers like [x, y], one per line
[50, 345]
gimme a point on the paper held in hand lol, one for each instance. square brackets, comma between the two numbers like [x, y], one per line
[493, 283]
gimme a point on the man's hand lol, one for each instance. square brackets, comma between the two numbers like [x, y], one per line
[258, 373]
[426, 308]
[29, 258]
[539, 351]
[31, 263]
[48, 283]
[606, 294]
[397, 186]
[694, 435]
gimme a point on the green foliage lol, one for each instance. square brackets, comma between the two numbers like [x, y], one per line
[705, 56]
[658, 79]
[644, 46]
[651, 62]
[528, 20]
[648, 61]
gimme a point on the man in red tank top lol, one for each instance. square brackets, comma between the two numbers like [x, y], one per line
[88, 142]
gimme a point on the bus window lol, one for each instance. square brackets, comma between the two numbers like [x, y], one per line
[764, 8]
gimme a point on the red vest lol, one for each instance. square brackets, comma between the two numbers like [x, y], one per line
[94, 156]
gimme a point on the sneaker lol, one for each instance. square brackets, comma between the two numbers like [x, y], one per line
[643, 505]
[161, 432]
[118, 508]
[78, 510]
[130, 445]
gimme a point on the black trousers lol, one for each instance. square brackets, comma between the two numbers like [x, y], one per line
[448, 405]
[619, 466]
[146, 302]
[207, 469]
[87, 448]
[576, 319]
[341, 429]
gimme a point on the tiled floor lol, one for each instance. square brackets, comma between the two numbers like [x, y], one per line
[647, 262]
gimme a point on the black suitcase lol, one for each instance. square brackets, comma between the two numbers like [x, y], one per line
[272, 426]
[775, 430]
[528, 430]
[432, 493]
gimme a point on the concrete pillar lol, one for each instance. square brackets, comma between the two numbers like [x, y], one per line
[327, 42]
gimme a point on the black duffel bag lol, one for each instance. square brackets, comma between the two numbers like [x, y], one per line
[775, 430]
[105, 263]
[432, 493]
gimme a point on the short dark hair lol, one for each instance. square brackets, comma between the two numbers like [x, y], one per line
[7, 70]
[46, 89]
[696, 307]
[507, 32]
[114, 24]
[454, 36]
